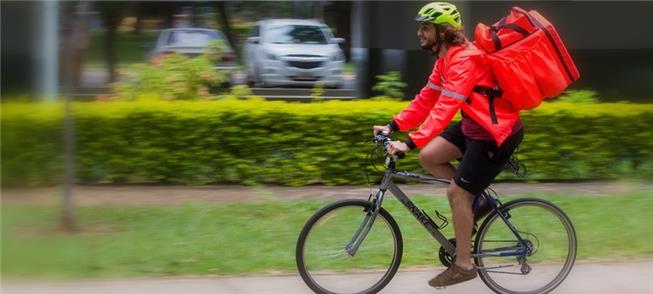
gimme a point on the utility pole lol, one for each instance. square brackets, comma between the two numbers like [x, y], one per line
[68, 220]
[48, 49]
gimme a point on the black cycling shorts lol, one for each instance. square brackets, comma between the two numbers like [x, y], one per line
[482, 160]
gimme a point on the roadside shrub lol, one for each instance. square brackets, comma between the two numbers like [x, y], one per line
[578, 96]
[175, 76]
[214, 51]
[254, 141]
[390, 85]
[240, 91]
[317, 91]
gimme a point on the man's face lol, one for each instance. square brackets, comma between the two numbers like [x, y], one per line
[426, 34]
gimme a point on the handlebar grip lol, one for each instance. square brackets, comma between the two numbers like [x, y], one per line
[401, 155]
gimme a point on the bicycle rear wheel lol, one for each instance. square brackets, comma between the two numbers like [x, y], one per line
[548, 232]
[323, 261]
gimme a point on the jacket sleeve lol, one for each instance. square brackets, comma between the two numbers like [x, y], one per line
[458, 85]
[419, 108]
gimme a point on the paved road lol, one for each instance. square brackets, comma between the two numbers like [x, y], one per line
[172, 195]
[599, 278]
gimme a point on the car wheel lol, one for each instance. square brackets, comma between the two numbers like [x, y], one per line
[258, 80]
[249, 77]
[250, 82]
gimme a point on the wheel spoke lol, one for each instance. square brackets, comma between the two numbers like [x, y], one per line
[509, 273]
[549, 245]
[322, 248]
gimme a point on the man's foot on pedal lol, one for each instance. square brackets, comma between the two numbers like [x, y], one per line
[452, 275]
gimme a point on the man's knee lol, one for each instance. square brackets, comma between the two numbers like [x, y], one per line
[452, 192]
[424, 158]
[427, 159]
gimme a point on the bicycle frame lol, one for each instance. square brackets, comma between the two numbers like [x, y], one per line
[423, 218]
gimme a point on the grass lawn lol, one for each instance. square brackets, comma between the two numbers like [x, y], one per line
[200, 239]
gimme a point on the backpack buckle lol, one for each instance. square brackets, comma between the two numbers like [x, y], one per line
[489, 92]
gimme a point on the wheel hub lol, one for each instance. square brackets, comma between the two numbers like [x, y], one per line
[530, 249]
[525, 268]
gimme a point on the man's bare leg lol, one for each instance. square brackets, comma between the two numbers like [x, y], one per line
[435, 157]
[463, 269]
[463, 222]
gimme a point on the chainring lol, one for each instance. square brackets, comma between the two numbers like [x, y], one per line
[445, 258]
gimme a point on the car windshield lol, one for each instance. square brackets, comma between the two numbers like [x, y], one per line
[191, 38]
[296, 34]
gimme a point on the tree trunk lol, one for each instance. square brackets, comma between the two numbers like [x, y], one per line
[196, 17]
[138, 26]
[111, 21]
[226, 27]
[67, 218]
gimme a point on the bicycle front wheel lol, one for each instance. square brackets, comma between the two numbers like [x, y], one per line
[550, 252]
[326, 265]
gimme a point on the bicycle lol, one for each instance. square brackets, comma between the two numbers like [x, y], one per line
[526, 237]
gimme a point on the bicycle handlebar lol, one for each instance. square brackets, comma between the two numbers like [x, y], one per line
[385, 139]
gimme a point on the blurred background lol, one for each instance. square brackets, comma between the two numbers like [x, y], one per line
[162, 138]
[361, 41]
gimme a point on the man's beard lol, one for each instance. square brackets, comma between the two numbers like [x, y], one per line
[429, 46]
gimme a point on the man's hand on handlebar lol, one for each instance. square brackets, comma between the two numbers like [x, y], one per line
[396, 149]
[382, 129]
[397, 146]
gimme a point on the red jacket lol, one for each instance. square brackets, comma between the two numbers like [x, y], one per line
[450, 88]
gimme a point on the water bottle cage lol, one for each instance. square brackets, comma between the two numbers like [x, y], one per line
[444, 220]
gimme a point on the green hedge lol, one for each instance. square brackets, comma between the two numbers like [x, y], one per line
[253, 141]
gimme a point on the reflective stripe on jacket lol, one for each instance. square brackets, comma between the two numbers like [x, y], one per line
[449, 89]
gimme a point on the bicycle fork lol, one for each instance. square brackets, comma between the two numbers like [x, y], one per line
[366, 226]
[522, 247]
[520, 250]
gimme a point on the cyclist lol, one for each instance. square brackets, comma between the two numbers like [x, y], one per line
[483, 141]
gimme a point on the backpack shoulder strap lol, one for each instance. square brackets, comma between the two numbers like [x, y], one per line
[467, 51]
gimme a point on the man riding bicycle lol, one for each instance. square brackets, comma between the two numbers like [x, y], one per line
[483, 140]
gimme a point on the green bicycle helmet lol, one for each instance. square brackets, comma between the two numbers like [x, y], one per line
[439, 13]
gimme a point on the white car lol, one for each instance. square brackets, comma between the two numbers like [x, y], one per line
[191, 42]
[293, 52]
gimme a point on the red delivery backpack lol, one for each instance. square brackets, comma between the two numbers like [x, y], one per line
[527, 56]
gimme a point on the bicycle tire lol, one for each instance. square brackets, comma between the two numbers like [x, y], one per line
[363, 206]
[517, 207]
